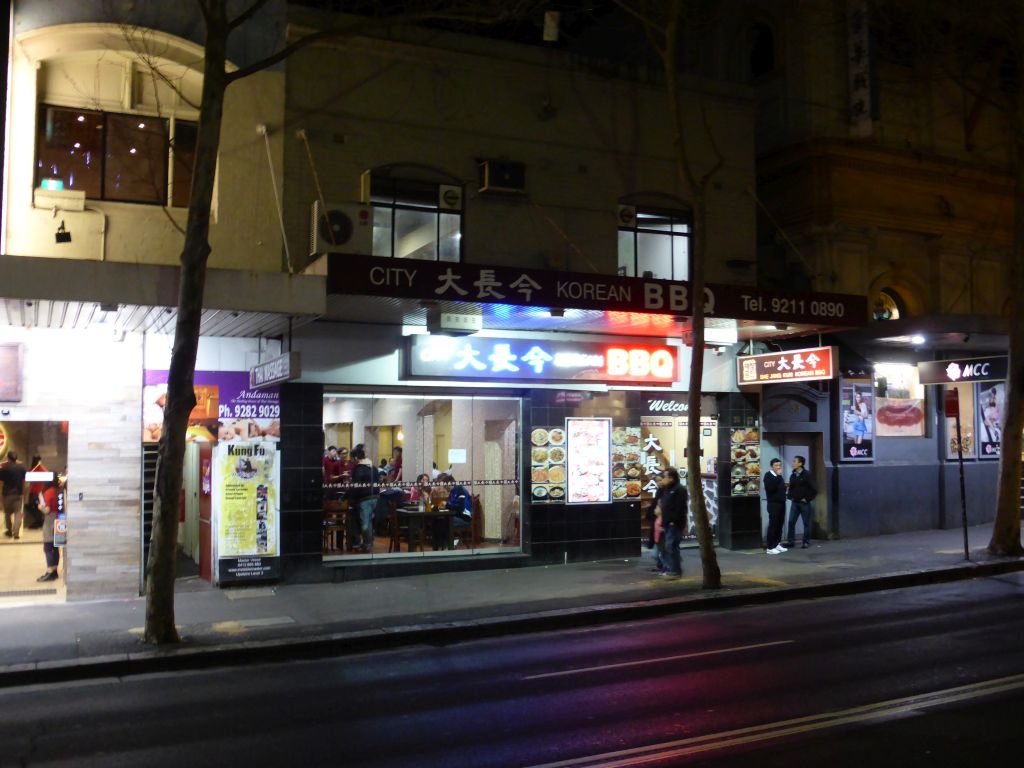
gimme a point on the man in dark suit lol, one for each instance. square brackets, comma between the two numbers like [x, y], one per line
[775, 494]
[801, 493]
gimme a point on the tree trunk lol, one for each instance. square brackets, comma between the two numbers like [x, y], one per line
[160, 625]
[708, 557]
[1006, 529]
[696, 189]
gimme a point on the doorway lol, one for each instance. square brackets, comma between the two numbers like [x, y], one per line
[786, 446]
[41, 446]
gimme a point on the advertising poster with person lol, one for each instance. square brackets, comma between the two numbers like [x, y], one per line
[857, 423]
[991, 403]
[246, 511]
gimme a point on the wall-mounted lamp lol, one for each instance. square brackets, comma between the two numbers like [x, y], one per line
[62, 235]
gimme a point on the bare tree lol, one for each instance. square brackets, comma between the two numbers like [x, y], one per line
[663, 22]
[363, 18]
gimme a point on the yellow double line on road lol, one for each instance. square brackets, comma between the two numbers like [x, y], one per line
[881, 710]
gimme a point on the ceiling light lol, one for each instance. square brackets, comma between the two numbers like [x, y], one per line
[81, 118]
[142, 125]
[132, 151]
[917, 339]
[78, 144]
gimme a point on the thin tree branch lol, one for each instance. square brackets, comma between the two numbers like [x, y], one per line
[245, 15]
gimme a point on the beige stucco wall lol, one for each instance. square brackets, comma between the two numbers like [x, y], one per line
[368, 104]
[84, 65]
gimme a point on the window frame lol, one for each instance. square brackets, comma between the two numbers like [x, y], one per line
[167, 153]
[675, 216]
[386, 194]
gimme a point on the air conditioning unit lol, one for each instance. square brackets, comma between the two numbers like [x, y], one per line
[502, 176]
[449, 197]
[341, 228]
[627, 215]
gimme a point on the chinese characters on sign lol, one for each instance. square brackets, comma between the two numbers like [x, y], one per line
[434, 281]
[539, 359]
[859, 68]
[795, 365]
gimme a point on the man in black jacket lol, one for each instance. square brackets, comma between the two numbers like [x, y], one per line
[800, 494]
[674, 504]
[775, 494]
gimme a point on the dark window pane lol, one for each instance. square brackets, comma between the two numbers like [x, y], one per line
[70, 148]
[136, 159]
[183, 149]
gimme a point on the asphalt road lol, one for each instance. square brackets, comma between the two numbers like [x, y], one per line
[921, 676]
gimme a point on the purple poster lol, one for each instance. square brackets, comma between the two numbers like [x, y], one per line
[226, 410]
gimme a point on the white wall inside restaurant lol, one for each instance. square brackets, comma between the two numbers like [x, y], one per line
[215, 353]
[95, 384]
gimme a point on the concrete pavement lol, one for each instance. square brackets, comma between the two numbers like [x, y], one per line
[101, 638]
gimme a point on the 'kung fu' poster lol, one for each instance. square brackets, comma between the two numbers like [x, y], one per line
[247, 512]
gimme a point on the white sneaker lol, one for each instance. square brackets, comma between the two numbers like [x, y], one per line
[771, 551]
[781, 549]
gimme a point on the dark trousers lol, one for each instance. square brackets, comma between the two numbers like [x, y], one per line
[52, 554]
[801, 509]
[776, 514]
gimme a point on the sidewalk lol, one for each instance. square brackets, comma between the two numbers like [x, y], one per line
[63, 641]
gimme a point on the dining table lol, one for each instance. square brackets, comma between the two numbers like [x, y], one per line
[418, 521]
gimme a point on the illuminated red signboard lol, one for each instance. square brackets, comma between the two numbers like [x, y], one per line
[503, 359]
[794, 365]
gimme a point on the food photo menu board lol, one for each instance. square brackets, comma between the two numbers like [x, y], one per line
[588, 456]
[627, 463]
[547, 465]
[745, 454]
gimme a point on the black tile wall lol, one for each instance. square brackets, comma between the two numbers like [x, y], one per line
[301, 480]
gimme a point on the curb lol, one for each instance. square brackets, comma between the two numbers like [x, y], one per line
[191, 657]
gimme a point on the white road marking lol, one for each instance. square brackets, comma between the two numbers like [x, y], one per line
[881, 710]
[643, 662]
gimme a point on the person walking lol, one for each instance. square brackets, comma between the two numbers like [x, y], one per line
[801, 493]
[48, 505]
[775, 496]
[674, 505]
[12, 475]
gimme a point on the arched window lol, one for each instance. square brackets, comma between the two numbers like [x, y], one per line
[888, 306]
[654, 243]
[416, 215]
[762, 51]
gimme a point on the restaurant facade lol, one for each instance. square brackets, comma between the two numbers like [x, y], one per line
[556, 434]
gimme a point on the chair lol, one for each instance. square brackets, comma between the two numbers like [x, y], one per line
[334, 527]
[471, 536]
[392, 529]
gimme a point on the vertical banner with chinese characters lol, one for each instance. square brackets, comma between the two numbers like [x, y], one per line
[859, 64]
[856, 419]
[588, 456]
[246, 512]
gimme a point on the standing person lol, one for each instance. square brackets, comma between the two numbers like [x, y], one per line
[801, 493]
[657, 540]
[395, 472]
[361, 503]
[12, 475]
[674, 505]
[775, 495]
[332, 465]
[48, 506]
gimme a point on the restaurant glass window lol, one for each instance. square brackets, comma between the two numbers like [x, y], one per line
[117, 157]
[409, 221]
[467, 449]
[965, 393]
[656, 242]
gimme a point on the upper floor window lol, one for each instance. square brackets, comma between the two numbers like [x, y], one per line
[654, 243]
[416, 219]
[117, 157]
